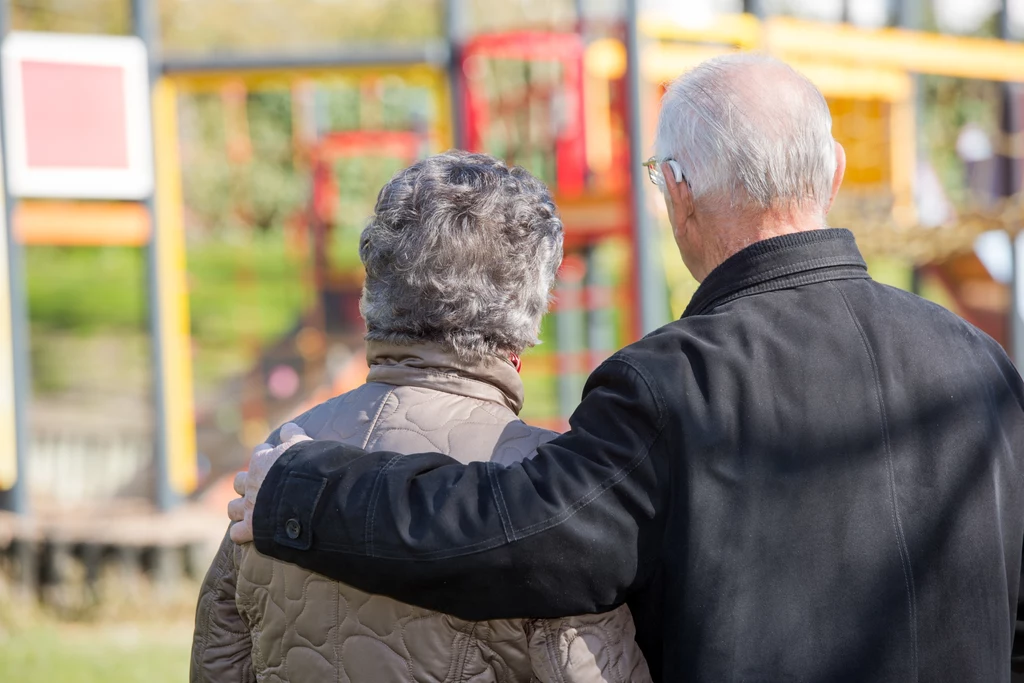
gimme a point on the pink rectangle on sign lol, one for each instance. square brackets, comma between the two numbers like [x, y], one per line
[74, 115]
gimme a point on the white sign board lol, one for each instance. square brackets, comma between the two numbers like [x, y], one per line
[77, 116]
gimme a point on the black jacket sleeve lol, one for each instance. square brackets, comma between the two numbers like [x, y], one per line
[572, 531]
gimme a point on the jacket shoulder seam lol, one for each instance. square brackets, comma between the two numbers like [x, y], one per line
[638, 459]
[377, 482]
[649, 383]
[372, 427]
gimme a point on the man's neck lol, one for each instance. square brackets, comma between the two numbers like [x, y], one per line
[738, 234]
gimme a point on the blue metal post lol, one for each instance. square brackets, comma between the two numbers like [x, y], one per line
[1011, 186]
[653, 288]
[570, 335]
[755, 7]
[455, 30]
[16, 498]
[145, 27]
[601, 341]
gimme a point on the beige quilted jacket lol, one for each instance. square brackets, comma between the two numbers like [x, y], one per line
[261, 619]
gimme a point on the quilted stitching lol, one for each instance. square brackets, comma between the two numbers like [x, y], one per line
[298, 637]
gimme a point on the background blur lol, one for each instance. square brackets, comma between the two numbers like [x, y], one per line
[148, 342]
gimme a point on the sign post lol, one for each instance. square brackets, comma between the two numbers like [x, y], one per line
[14, 358]
[144, 27]
[14, 376]
[78, 116]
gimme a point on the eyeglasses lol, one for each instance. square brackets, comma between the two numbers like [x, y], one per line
[654, 170]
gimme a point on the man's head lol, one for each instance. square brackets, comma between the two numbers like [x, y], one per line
[462, 251]
[753, 139]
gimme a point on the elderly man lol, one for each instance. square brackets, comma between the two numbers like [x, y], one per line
[809, 477]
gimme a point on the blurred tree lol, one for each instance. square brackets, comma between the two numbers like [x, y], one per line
[950, 104]
[487, 15]
[269, 186]
[71, 16]
[216, 25]
[261, 191]
[207, 185]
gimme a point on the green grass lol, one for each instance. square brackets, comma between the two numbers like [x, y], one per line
[254, 289]
[95, 653]
[243, 294]
[85, 289]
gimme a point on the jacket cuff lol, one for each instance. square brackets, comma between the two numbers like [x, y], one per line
[286, 502]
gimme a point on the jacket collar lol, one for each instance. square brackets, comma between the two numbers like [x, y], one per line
[781, 263]
[431, 366]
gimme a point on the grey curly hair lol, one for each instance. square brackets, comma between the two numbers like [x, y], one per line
[461, 251]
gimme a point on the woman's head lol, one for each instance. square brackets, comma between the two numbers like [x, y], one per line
[461, 251]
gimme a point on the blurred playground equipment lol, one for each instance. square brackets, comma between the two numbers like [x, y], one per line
[346, 164]
[576, 108]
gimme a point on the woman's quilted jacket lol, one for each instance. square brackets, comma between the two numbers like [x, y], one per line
[260, 619]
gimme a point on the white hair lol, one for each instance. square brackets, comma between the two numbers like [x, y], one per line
[750, 132]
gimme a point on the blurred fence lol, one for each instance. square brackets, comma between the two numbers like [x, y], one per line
[73, 468]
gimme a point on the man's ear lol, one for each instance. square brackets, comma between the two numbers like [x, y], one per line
[837, 179]
[678, 193]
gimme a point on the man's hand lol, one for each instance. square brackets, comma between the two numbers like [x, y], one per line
[247, 484]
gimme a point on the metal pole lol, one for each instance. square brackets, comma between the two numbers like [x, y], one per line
[1010, 186]
[755, 7]
[455, 33]
[570, 334]
[433, 53]
[144, 25]
[909, 15]
[600, 315]
[16, 498]
[651, 283]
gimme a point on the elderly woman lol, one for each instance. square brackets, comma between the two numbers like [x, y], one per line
[460, 256]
